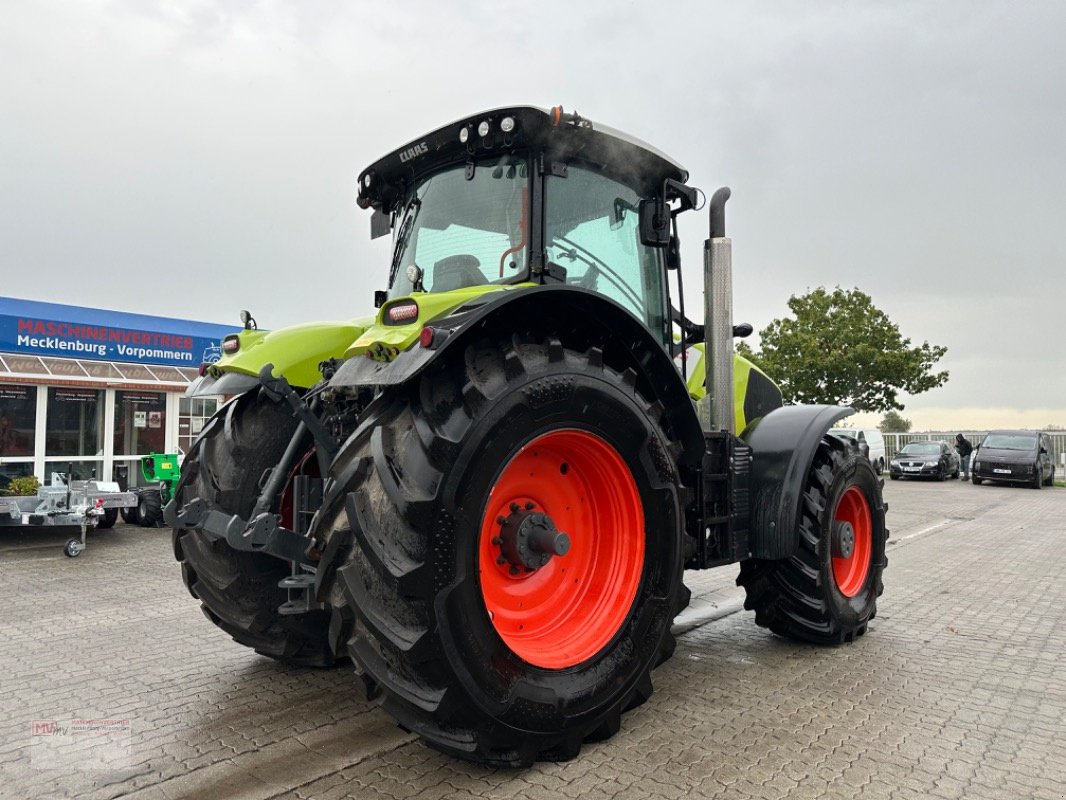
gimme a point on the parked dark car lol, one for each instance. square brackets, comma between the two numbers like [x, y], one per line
[936, 459]
[1015, 457]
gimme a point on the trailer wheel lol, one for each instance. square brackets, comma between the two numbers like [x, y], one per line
[516, 559]
[130, 515]
[107, 519]
[239, 590]
[149, 508]
[73, 548]
[826, 593]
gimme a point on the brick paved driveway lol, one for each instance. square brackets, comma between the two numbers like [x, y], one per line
[957, 692]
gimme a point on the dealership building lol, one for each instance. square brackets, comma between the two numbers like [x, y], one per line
[97, 389]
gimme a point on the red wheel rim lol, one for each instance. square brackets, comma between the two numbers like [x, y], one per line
[568, 610]
[850, 572]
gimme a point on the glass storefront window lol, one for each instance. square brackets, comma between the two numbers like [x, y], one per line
[75, 422]
[8, 472]
[18, 419]
[193, 414]
[140, 423]
[82, 470]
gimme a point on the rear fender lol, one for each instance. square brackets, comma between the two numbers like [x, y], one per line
[580, 318]
[783, 445]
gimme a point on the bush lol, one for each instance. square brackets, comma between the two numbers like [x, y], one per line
[25, 486]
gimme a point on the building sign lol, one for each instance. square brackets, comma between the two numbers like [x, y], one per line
[48, 329]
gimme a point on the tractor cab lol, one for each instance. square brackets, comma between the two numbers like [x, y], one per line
[525, 196]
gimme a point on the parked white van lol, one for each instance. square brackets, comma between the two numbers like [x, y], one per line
[871, 444]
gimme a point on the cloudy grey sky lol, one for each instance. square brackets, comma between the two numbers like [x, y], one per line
[191, 158]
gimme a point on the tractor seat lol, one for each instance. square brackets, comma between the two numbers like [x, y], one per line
[457, 272]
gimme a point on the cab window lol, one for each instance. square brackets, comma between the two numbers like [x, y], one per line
[591, 230]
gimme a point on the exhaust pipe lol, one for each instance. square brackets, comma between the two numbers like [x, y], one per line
[718, 318]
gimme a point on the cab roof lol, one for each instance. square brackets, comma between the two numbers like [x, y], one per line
[560, 136]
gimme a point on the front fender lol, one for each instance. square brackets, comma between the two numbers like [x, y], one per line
[295, 352]
[783, 444]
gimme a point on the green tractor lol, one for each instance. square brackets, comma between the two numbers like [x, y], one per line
[161, 472]
[486, 494]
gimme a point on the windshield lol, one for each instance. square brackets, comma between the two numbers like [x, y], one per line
[1004, 441]
[462, 229]
[926, 449]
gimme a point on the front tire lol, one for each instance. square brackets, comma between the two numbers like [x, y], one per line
[107, 519]
[489, 648]
[826, 593]
[149, 508]
[239, 590]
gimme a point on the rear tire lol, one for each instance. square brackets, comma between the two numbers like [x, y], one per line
[130, 515]
[825, 594]
[149, 508]
[239, 590]
[487, 660]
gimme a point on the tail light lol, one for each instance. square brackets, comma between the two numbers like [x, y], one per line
[401, 313]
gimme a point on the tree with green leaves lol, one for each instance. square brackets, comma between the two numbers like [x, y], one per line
[840, 349]
[893, 422]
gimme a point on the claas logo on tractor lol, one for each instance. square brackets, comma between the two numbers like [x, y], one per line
[486, 493]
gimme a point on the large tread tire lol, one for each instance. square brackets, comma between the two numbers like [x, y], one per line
[406, 514]
[108, 519]
[149, 508]
[239, 590]
[800, 597]
[130, 515]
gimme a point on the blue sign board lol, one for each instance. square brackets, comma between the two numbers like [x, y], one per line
[50, 329]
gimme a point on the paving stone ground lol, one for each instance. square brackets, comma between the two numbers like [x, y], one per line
[958, 691]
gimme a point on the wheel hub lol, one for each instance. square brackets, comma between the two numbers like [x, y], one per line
[843, 539]
[528, 539]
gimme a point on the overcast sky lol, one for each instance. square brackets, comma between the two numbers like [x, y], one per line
[190, 159]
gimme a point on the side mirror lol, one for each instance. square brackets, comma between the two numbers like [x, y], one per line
[654, 223]
[380, 224]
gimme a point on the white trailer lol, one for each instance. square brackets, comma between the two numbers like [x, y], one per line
[80, 504]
